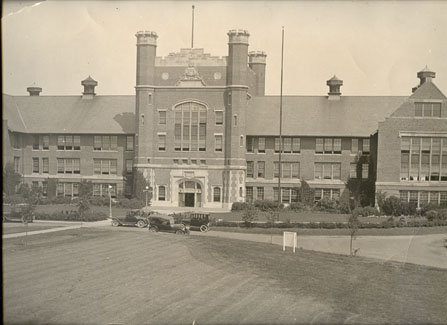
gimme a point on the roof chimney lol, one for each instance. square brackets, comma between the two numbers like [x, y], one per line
[425, 75]
[34, 91]
[89, 88]
[334, 88]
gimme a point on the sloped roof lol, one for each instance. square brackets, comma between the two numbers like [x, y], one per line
[70, 114]
[317, 116]
[428, 90]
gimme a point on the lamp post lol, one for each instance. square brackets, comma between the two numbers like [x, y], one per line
[146, 191]
[110, 201]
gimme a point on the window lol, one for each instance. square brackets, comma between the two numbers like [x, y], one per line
[337, 146]
[353, 170]
[277, 144]
[45, 166]
[162, 142]
[129, 165]
[77, 142]
[35, 142]
[287, 145]
[44, 188]
[250, 168]
[218, 143]
[35, 165]
[216, 194]
[219, 117]
[235, 120]
[129, 143]
[365, 146]
[161, 117]
[319, 145]
[249, 194]
[161, 193]
[326, 193]
[327, 145]
[241, 141]
[327, 170]
[68, 142]
[260, 193]
[103, 190]
[289, 170]
[296, 145]
[105, 143]
[288, 194]
[428, 109]
[105, 166]
[249, 143]
[66, 189]
[68, 166]
[354, 146]
[190, 127]
[365, 171]
[17, 164]
[261, 145]
[261, 169]
[149, 98]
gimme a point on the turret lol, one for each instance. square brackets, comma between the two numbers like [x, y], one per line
[425, 75]
[257, 62]
[34, 91]
[237, 57]
[146, 50]
[334, 88]
[89, 87]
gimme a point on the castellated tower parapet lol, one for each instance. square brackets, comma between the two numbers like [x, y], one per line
[146, 52]
[238, 36]
[146, 38]
[257, 63]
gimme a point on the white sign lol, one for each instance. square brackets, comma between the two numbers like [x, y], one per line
[289, 239]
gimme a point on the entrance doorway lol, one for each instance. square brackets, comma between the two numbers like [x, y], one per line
[190, 194]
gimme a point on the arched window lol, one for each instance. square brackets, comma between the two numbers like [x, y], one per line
[190, 127]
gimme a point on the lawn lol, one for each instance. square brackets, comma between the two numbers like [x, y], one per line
[101, 276]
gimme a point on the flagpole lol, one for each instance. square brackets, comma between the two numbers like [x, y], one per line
[280, 120]
[192, 32]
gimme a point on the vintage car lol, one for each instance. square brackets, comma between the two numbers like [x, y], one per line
[161, 222]
[135, 217]
[16, 213]
[197, 221]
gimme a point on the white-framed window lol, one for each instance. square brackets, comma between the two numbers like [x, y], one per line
[45, 142]
[327, 171]
[326, 193]
[129, 143]
[35, 165]
[129, 165]
[261, 145]
[105, 166]
[261, 169]
[161, 142]
[365, 147]
[365, 168]
[68, 142]
[105, 143]
[249, 144]
[354, 146]
[36, 144]
[353, 170]
[218, 142]
[190, 120]
[217, 194]
[250, 169]
[161, 193]
[219, 117]
[289, 170]
[249, 194]
[45, 165]
[428, 109]
[161, 117]
[68, 166]
[260, 193]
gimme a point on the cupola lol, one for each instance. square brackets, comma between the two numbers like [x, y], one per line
[425, 75]
[334, 88]
[89, 88]
[34, 91]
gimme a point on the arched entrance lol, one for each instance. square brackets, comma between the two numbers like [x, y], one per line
[190, 194]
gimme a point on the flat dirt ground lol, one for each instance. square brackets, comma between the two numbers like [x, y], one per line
[131, 276]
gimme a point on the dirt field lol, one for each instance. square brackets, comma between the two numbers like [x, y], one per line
[127, 275]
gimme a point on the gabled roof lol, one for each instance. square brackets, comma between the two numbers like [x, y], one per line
[428, 90]
[70, 114]
[317, 116]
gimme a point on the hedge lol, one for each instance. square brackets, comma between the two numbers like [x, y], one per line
[72, 215]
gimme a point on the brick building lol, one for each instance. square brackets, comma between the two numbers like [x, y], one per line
[203, 133]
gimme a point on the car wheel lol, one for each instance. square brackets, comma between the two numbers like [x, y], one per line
[141, 224]
[115, 223]
[204, 228]
[153, 229]
[179, 232]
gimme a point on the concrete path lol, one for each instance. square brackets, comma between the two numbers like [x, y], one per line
[419, 249]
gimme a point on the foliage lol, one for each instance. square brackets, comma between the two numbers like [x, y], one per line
[11, 179]
[307, 194]
[365, 211]
[391, 206]
[28, 212]
[131, 203]
[238, 206]
[298, 206]
[380, 198]
[327, 204]
[51, 188]
[267, 205]
[85, 193]
[345, 205]
[353, 225]
[72, 215]
[139, 186]
[272, 216]
[250, 214]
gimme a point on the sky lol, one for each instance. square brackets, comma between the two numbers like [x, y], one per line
[375, 47]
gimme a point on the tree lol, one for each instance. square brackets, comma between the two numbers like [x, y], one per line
[85, 194]
[11, 179]
[307, 194]
[51, 188]
[353, 225]
[250, 214]
[139, 186]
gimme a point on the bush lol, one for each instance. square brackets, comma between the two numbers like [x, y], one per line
[365, 211]
[99, 201]
[72, 215]
[391, 206]
[131, 203]
[238, 206]
[307, 194]
[407, 209]
[267, 205]
[297, 206]
[250, 214]
[432, 215]
[328, 205]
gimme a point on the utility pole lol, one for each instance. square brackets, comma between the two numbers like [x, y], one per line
[192, 32]
[280, 120]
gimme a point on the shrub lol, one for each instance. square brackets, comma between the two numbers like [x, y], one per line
[307, 194]
[99, 201]
[326, 204]
[250, 214]
[407, 209]
[391, 206]
[72, 215]
[365, 211]
[131, 203]
[431, 215]
[428, 207]
[267, 205]
[238, 206]
[297, 206]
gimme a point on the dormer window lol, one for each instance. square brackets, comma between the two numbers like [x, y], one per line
[428, 109]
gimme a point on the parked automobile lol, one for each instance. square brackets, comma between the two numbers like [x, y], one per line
[135, 217]
[16, 213]
[161, 222]
[197, 221]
